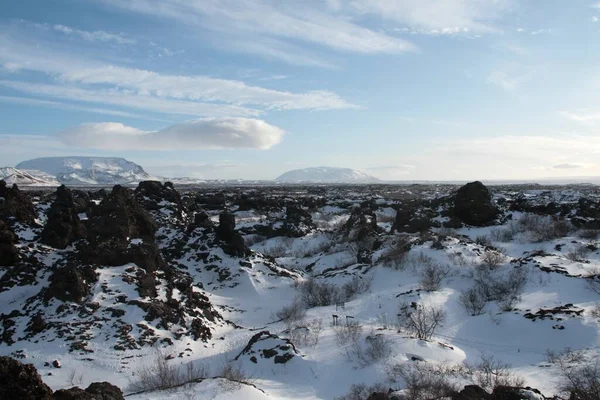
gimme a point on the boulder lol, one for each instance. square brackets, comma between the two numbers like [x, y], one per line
[21, 381]
[70, 283]
[473, 205]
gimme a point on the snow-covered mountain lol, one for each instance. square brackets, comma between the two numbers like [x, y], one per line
[88, 170]
[27, 177]
[326, 175]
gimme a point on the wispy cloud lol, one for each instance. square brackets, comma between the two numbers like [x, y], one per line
[208, 133]
[65, 106]
[583, 116]
[93, 36]
[89, 80]
[434, 17]
[567, 166]
[260, 22]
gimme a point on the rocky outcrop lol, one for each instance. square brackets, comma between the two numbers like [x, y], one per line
[9, 254]
[63, 226]
[234, 243]
[21, 381]
[473, 205]
[266, 346]
[112, 227]
[154, 196]
[15, 205]
[70, 283]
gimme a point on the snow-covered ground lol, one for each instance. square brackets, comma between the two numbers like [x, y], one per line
[552, 308]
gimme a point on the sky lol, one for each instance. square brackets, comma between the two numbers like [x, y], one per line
[249, 89]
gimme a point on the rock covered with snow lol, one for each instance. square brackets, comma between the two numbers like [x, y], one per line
[266, 347]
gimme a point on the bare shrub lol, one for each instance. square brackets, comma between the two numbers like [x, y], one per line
[421, 321]
[589, 234]
[459, 259]
[506, 290]
[580, 381]
[377, 347]
[159, 374]
[294, 312]
[447, 232]
[234, 376]
[504, 234]
[349, 333]
[490, 373]
[544, 228]
[492, 258]
[593, 280]
[483, 240]
[362, 392]
[432, 275]
[473, 300]
[595, 311]
[357, 285]
[422, 381]
[316, 294]
[577, 253]
[305, 334]
[395, 255]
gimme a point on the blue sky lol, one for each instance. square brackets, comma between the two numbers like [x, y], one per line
[402, 89]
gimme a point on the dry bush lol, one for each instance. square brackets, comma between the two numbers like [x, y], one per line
[579, 377]
[305, 334]
[589, 234]
[447, 232]
[490, 373]
[316, 294]
[159, 374]
[234, 376]
[593, 280]
[395, 256]
[492, 258]
[423, 381]
[356, 285]
[595, 311]
[577, 253]
[349, 333]
[506, 290]
[432, 274]
[294, 312]
[362, 391]
[544, 228]
[473, 301]
[506, 233]
[483, 240]
[421, 321]
[377, 348]
[460, 260]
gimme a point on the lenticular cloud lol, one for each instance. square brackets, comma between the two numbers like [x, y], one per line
[206, 133]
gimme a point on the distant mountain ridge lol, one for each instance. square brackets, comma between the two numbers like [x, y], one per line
[92, 171]
[326, 175]
[27, 177]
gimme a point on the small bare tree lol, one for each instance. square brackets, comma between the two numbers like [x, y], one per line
[432, 275]
[422, 321]
[473, 300]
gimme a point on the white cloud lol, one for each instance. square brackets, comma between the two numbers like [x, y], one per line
[503, 80]
[567, 166]
[64, 106]
[260, 21]
[438, 16]
[102, 81]
[208, 133]
[511, 76]
[582, 116]
[101, 36]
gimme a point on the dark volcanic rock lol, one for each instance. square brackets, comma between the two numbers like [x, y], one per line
[21, 381]
[104, 391]
[472, 392]
[266, 345]
[63, 226]
[473, 204]
[111, 225]
[153, 195]
[70, 283]
[234, 242]
[9, 254]
[15, 204]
